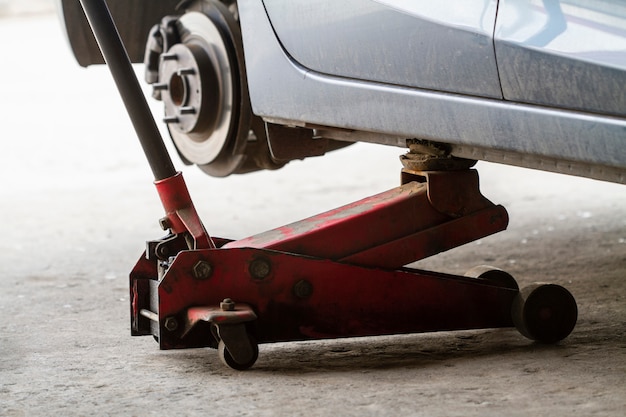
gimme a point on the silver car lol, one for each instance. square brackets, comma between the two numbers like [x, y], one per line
[252, 84]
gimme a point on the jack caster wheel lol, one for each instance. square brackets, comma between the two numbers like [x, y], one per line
[229, 361]
[545, 313]
[493, 275]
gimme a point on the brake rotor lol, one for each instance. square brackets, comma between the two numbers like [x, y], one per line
[203, 88]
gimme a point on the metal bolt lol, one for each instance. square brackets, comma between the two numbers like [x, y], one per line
[227, 305]
[303, 289]
[159, 86]
[162, 251]
[169, 57]
[202, 270]
[187, 110]
[170, 119]
[260, 268]
[171, 324]
[185, 71]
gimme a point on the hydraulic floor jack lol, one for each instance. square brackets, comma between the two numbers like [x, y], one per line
[337, 274]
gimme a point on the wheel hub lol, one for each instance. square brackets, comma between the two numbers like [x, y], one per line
[194, 99]
[196, 65]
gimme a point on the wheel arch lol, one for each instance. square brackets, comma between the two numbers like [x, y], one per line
[133, 18]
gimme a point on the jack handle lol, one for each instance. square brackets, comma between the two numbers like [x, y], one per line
[181, 215]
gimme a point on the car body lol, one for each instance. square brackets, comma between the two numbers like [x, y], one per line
[534, 83]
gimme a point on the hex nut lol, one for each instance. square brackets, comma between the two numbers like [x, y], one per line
[171, 324]
[227, 305]
[202, 270]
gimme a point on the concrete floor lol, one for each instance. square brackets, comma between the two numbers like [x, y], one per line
[77, 206]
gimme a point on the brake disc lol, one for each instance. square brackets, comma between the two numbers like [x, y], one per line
[202, 84]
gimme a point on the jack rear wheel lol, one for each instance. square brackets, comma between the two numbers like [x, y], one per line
[546, 313]
[493, 275]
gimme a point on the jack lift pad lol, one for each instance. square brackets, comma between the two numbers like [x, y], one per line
[338, 274]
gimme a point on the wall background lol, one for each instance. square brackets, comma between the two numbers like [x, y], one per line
[20, 7]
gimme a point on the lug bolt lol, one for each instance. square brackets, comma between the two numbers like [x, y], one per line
[227, 305]
[170, 119]
[169, 57]
[159, 86]
[202, 270]
[171, 324]
[260, 268]
[185, 71]
[187, 110]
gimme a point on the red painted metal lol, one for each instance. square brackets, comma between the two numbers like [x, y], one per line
[241, 314]
[394, 228]
[143, 273]
[352, 228]
[434, 240]
[180, 211]
[337, 274]
[342, 300]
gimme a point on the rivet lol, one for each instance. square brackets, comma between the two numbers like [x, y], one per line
[260, 268]
[303, 289]
[162, 251]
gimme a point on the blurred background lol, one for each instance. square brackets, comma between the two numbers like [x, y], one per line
[18, 8]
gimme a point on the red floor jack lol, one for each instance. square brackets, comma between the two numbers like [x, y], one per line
[337, 274]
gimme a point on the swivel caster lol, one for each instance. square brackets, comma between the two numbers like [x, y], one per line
[228, 360]
[237, 348]
[546, 313]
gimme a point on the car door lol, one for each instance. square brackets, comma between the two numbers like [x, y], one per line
[563, 53]
[442, 46]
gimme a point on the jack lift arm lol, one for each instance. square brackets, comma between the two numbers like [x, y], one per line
[337, 274]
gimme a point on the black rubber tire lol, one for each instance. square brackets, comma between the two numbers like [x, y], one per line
[546, 313]
[228, 360]
[493, 275]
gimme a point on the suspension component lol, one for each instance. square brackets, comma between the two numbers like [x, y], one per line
[194, 62]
